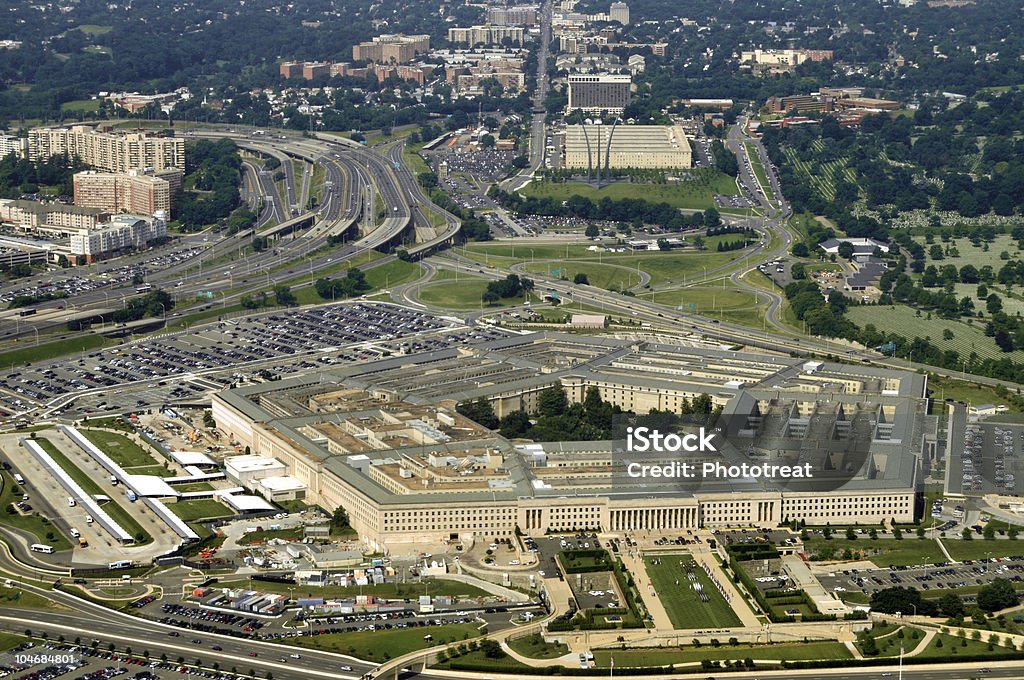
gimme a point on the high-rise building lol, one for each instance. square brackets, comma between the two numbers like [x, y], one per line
[597, 93]
[486, 35]
[523, 15]
[394, 48]
[619, 11]
[10, 144]
[107, 150]
[137, 192]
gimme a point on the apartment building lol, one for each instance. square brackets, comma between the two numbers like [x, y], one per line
[107, 150]
[121, 232]
[394, 48]
[10, 144]
[522, 15]
[486, 35]
[138, 192]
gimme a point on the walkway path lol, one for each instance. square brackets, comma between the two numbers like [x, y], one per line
[636, 564]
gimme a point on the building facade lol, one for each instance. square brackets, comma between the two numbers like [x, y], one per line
[391, 49]
[626, 146]
[409, 468]
[9, 144]
[599, 93]
[486, 35]
[133, 192]
[122, 231]
[109, 151]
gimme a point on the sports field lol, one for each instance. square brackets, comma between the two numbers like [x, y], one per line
[681, 597]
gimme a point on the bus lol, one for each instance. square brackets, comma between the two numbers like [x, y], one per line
[120, 564]
[27, 312]
[144, 288]
[41, 548]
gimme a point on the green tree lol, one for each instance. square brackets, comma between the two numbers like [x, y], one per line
[284, 296]
[552, 401]
[999, 594]
[951, 605]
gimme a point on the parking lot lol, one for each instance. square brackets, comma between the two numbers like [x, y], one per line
[277, 343]
[71, 284]
[926, 577]
[985, 457]
[81, 662]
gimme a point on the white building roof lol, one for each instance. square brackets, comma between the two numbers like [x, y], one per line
[252, 463]
[282, 483]
[191, 458]
[246, 503]
[149, 485]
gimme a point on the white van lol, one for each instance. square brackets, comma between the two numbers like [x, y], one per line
[88, 519]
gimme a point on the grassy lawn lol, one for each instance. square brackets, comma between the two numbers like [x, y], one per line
[381, 645]
[966, 338]
[971, 254]
[51, 350]
[35, 524]
[534, 647]
[202, 508]
[888, 638]
[475, 660]
[392, 590]
[697, 194]
[959, 390]
[8, 641]
[16, 597]
[113, 508]
[120, 448]
[681, 601]
[393, 274]
[94, 29]
[193, 486]
[951, 647]
[978, 548]
[197, 317]
[462, 294]
[882, 551]
[727, 304]
[657, 657]
[84, 105]
[585, 560]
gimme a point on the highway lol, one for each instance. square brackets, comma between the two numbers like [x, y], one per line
[537, 125]
[350, 168]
